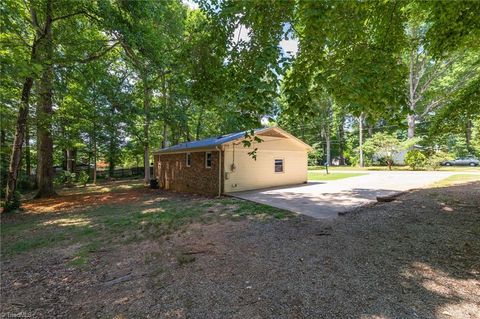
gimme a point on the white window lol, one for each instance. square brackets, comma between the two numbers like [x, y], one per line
[279, 166]
[208, 159]
[188, 159]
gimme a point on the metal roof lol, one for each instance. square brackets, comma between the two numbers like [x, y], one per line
[210, 142]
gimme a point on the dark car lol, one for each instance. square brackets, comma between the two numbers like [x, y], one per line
[463, 161]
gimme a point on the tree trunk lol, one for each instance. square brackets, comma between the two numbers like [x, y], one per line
[327, 146]
[165, 136]
[468, 134]
[18, 141]
[111, 157]
[370, 131]
[199, 122]
[94, 140]
[71, 155]
[28, 161]
[146, 126]
[45, 111]
[20, 131]
[341, 139]
[360, 139]
[94, 161]
[411, 125]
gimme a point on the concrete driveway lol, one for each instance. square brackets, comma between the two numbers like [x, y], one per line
[325, 199]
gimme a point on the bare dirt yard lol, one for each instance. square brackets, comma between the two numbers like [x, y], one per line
[123, 251]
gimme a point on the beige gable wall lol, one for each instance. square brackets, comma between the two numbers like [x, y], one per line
[251, 174]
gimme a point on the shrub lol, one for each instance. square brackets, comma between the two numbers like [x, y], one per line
[415, 159]
[83, 178]
[14, 204]
[435, 160]
[65, 178]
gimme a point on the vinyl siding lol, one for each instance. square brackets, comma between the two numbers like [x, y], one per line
[260, 173]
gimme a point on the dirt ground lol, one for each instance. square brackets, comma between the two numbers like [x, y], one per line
[417, 257]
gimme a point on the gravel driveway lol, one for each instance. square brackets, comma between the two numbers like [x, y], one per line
[325, 199]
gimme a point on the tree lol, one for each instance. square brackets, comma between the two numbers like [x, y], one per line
[383, 145]
[432, 80]
[136, 25]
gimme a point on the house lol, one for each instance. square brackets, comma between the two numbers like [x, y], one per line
[223, 164]
[398, 156]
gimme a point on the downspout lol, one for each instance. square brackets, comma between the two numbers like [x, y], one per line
[219, 170]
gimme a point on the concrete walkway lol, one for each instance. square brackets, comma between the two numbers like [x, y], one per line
[325, 199]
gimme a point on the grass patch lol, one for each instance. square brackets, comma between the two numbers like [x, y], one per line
[457, 179]
[321, 176]
[394, 168]
[83, 254]
[122, 223]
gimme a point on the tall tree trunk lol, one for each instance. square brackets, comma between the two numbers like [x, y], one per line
[111, 157]
[146, 126]
[94, 158]
[94, 152]
[18, 141]
[326, 134]
[165, 108]
[20, 132]
[28, 162]
[341, 141]
[303, 128]
[360, 138]
[411, 125]
[45, 111]
[329, 156]
[71, 158]
[165, 135]
[370, 131]
[199, 123]
[412, 84]
[468, 134]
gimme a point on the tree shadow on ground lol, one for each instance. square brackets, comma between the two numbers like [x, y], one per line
[415, 257]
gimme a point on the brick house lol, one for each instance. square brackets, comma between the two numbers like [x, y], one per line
[222, 164]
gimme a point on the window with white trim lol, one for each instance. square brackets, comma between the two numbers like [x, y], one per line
[279, 166]
[208, 159]
[188, 159]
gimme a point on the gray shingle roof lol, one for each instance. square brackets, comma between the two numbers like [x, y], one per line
[210, 142]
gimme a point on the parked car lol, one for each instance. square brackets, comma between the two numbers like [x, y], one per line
[463, 161]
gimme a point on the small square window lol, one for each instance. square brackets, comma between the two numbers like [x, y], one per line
[279, 166]
[188, 159]
[208, 159]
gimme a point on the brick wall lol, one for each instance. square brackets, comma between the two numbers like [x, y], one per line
[173, 174]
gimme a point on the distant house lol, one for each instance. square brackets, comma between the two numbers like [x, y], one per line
[398, 156]
[222, 164]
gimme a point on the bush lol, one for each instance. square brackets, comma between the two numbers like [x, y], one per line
[83, 178]
[415, 159]
[14, 204]
[435, 160]
[65, 178]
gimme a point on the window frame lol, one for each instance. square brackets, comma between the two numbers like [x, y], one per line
[206, 160]
[188, 159]
[275, 165]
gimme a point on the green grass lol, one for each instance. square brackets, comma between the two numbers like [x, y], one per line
[111, 224]
[322, 176]
[457, 179]
[394, 168]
